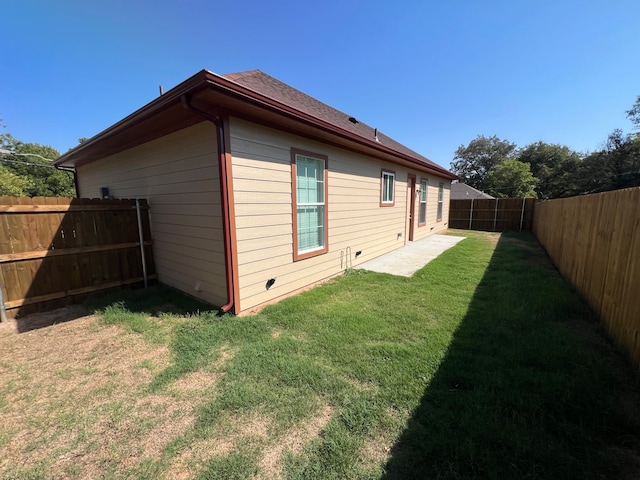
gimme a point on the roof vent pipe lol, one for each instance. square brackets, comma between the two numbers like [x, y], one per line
[375, 134]
[161, 88]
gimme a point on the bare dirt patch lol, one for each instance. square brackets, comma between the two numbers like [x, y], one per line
[74, 402]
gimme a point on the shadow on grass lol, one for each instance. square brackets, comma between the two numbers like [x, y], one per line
[154, 301]
[527, 388]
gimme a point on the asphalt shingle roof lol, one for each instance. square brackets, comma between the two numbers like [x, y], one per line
[273, 88]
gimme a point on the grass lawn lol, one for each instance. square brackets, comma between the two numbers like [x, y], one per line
[484, 364]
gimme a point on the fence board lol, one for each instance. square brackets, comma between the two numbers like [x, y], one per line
[495, 215]
[594, 240]
[52, 249]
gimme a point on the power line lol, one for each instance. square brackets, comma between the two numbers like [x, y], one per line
[26, 163]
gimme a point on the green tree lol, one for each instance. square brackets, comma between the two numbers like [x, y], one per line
[42, 179]
[554, 166]
[12, 185]
[481, 157]
[633, 114]
[615, 166]
[512, 178]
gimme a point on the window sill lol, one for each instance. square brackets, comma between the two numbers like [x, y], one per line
[314, 253]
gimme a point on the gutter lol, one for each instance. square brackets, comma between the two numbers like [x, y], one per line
[224, 194]
[189, 85]
[75, 177]
[215, 82]
[245, 93]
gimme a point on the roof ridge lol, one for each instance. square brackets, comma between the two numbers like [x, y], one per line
[275, 89]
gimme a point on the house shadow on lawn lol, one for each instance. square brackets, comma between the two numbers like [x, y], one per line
[55, 316]
[154, 301]
[529, 387]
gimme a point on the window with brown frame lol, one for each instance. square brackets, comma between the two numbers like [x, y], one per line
[387, 187]
[309, 176]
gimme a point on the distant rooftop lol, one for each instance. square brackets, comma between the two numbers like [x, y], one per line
[462, 191]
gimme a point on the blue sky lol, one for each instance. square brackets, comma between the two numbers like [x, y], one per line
[431, 74]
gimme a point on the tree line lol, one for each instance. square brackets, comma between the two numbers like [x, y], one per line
[27, 171]
[493, 165]
[543, 170]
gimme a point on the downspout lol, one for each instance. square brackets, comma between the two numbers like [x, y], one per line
[224, 194]
[75, 178]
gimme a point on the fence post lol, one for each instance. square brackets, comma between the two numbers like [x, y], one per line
[495, 216]
[3, 310]
[522, 213]
[471, 214]
[141, 236]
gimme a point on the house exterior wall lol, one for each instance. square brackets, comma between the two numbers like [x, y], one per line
[262, 193]
[432, 224]
[178, 175]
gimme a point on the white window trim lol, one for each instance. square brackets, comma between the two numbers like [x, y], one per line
[385, 175]
[440, 202]
[424, 185]
[324, 248]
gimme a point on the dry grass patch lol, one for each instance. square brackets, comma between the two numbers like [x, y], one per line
[293, 441]
[194, 383]
[228, 435]
[74, 402]
[376, 451]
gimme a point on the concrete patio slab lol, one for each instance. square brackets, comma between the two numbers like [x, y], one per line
[412, 257]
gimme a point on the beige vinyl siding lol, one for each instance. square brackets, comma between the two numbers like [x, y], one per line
[433, 226]
[262, 195]
[178, 174]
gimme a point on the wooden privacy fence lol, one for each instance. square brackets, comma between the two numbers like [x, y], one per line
[493, 215]
[55, 249]
[594, 240]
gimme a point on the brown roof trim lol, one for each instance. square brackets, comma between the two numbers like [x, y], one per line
[256, 97]
[172, 96]
[206, 79]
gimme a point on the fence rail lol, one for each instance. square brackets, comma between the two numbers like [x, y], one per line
[594, 240]
[53, 250]
[494, 215]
